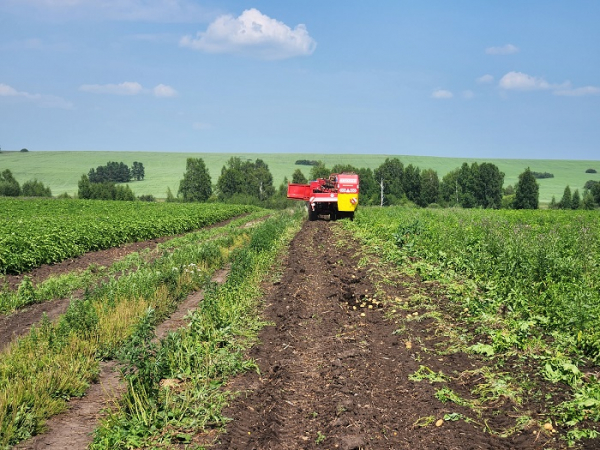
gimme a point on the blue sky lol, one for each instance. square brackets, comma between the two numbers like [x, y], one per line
[486, 79]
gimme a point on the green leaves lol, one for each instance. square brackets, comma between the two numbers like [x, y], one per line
[49, 231]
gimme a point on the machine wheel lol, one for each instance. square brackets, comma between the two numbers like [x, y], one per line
[312, 215]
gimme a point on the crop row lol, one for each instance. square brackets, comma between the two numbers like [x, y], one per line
[36, 232]
[528, 282]
[115, 320]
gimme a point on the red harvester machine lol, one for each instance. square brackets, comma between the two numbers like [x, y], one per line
[336, 196]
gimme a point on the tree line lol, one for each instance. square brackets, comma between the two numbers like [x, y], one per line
[392, 183]
[10, 187]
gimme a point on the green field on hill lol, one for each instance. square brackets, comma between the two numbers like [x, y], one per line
[62, 170]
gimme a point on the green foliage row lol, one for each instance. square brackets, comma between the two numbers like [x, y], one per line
[175, 387]
[528, 281]
[117, 172]
[56, 361]
[64, 285]
[392, 183]
[9, 187]
[35, 232]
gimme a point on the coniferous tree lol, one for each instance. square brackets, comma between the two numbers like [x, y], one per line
[565, 201]
[576, 200]
[298, 177]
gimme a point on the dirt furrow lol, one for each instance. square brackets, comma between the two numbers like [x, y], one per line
[333, 372]
[73, 429]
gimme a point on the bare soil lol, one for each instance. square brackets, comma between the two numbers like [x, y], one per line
[336, 377]
[19, 323]
[334, 366]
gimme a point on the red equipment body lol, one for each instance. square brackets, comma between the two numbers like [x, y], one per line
[336, 196]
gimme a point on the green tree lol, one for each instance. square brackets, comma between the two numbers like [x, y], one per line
[298, 177]
[137, 171]
[196, 185]
[390, 175]
[595, 191]
[369, 189]
[411, 183]
[491, 180]
[117, 172]
[245, 180]
[565, 201]
[9, 186]
[588, 201]
[85, 188]
[450, 189]
[576, 200]
[319, 171]
[430, 187]
[527, 191]
[35, 188]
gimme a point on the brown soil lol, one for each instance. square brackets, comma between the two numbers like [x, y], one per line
[335, 377]
[331, 376]
[73, 429]
[19, 323]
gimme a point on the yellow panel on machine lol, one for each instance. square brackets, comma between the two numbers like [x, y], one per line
[347, 202]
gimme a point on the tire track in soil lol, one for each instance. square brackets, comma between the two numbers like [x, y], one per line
[74, 428]
[332, 377]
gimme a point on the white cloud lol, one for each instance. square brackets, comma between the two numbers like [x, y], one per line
[162, 90]
[485, 79]
[129, 88]
[252, 34]
[125, 88]
[441, 94]
[507, 49]
[578, 92]
[42, 100]
[519, 81]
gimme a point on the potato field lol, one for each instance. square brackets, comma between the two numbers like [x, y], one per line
[210, 326]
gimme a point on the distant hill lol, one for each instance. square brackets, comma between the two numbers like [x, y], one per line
[62, 170]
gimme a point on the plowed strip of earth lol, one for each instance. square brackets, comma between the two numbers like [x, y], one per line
[334, 371]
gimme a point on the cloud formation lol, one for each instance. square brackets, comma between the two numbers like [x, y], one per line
[507, 49]
[252, 34]
[441, 94]
[519, 81]
[162, 90]
[578, 92]
[128, 88]
[42, 100]
[485, 79]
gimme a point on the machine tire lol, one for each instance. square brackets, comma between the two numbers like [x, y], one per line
[312, 215]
